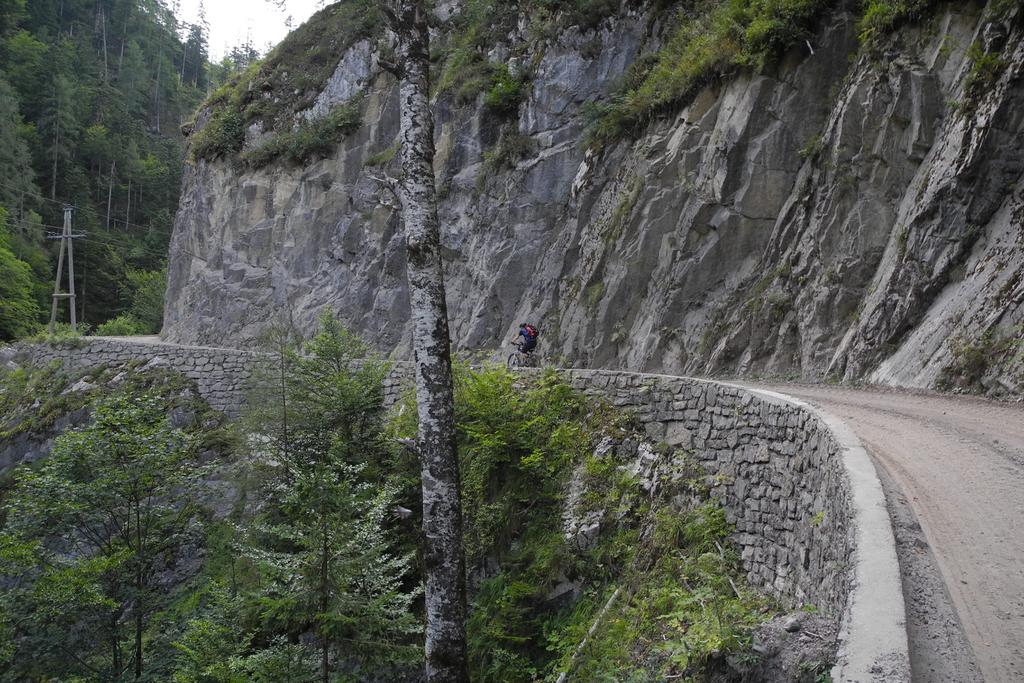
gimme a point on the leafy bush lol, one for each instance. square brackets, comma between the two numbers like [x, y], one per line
[312, 138]
[62, 334]
[882, 16]
[19, 311]
[222, 136]
[147, 296]
[506, 91]
[986, 68]
[124, 325]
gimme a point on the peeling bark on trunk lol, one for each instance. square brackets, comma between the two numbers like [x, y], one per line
[442, 515]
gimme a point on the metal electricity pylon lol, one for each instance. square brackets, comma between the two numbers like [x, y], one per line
[67, 240]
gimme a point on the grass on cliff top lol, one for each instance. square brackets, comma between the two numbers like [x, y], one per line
[464, 69]
[712, 39]
[311, 138]
[882, 16]
[287, 80]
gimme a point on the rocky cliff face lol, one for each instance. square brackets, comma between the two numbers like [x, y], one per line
[847, 213]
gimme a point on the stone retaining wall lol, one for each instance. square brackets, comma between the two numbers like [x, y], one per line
[777, 471]
[221, 375]
[781, 470]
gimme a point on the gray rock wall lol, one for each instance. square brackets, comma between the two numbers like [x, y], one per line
[844, 212]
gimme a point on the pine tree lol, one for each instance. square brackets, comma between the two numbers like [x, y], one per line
[90, 530]
[98, 89]
[323, 540]
[15, 160]
[19, 310]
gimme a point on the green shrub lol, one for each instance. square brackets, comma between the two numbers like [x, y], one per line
[124, 325]
[312, 138]
[972, 358]
[222, 136]
[147, 296]
[61, 335]
[882, 16]
[986, 68]
[676, 607]
[466, 74]
[506, 91]
[812, 148]
[19, 311]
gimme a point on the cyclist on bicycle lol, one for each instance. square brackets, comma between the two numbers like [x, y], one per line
[529, 334]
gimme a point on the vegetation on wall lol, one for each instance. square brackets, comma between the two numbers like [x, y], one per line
[539, 595]
[714, 38]
[464, 69]
[973, 358]
[882, 16]
[710, 41]
[315, 137]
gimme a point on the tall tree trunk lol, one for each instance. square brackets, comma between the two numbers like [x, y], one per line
[116, 667]
[156, 93]
[103, 22]
[442, 515]
[128, 211]
[56, 144]
[110, 191]
[124, 38]
[325, 569]
[140, 586]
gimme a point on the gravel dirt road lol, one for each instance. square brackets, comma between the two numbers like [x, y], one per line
[955, 467]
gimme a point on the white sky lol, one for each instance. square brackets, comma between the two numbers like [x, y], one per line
[231, 20]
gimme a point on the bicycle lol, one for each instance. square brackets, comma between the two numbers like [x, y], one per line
[520, 358]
